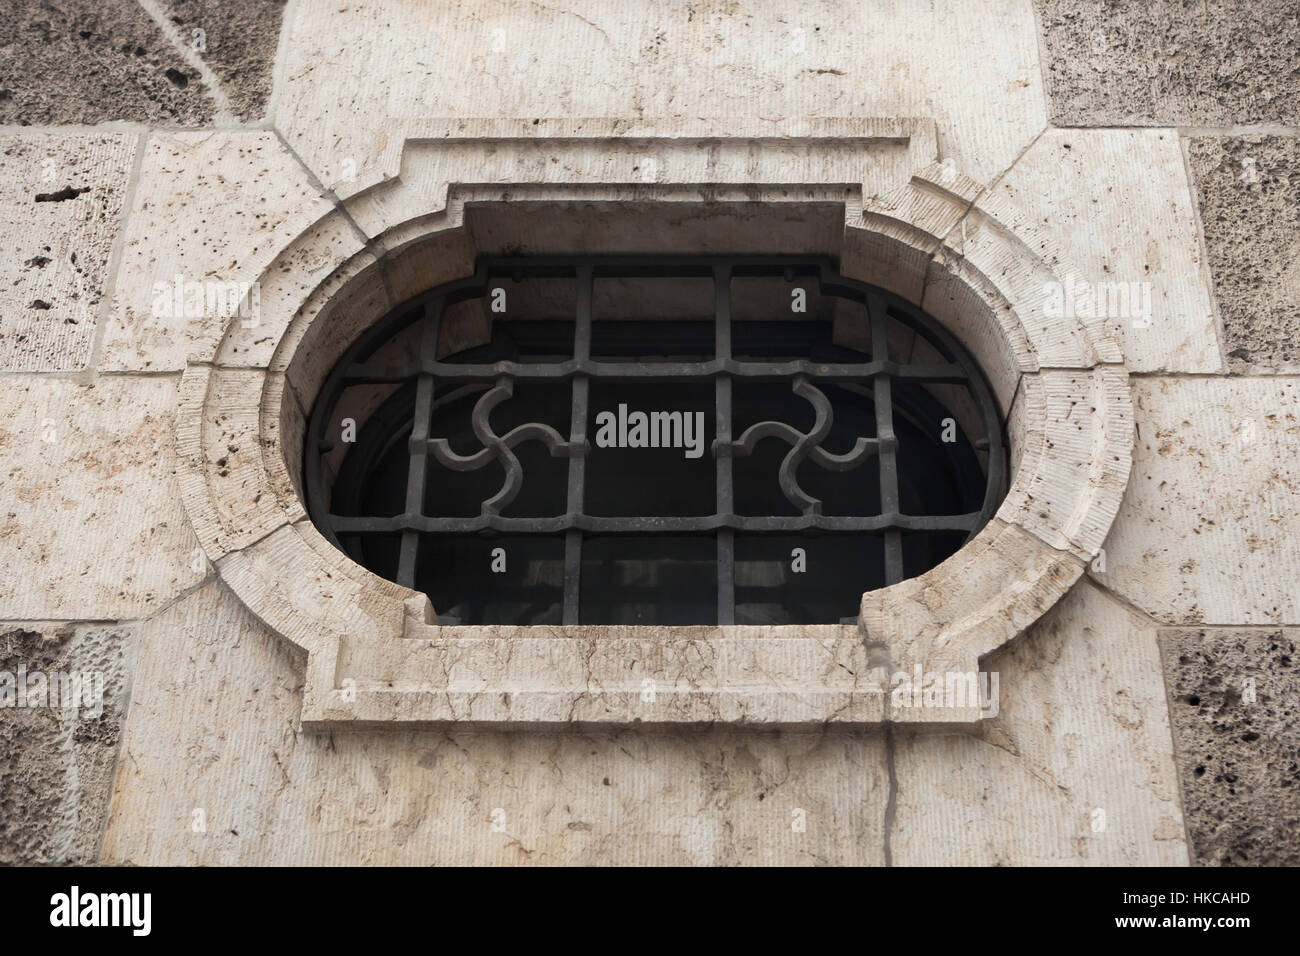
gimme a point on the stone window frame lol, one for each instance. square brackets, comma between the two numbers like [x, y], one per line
[375, 655]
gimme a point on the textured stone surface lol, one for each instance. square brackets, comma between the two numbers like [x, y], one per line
[1082, 727]
[350, 67]
[1249, 191]
[92, 61]
[91, 523]
[1076, 454]
[234, 200]
[61, 205]
[1119, 204]
[1207, 532]
[239, 43]
[807, 676]
[89, 61]
[214, 712]
[217, 697]
[1234, 699]
[1171, 62]
[57, 759]
[868, 156]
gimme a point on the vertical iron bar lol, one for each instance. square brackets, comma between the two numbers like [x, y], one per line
[418, 470]
[722, 436]
[888, 454]
[578, 436]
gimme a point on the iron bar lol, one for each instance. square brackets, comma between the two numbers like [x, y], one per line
[722, 442]
[577, 441]
[417, 471]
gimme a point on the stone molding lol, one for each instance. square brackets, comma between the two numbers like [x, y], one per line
[375, 654]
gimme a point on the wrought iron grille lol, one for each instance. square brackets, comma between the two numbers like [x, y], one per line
[383, 498]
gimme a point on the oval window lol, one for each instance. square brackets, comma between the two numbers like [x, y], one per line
[653, 441]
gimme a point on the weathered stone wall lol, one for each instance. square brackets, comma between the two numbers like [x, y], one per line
[1148, 718]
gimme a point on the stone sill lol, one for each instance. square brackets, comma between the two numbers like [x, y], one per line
[759, 676]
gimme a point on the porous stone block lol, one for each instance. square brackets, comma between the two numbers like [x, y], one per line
[1232, 699]
[87, 62]
[1171, 62]
[1249, 192]
[63, 696]
[238, 40]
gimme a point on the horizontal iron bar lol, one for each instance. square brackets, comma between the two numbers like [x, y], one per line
[594, 524]
[373, 374]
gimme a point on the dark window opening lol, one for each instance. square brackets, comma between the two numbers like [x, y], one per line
[604, 467]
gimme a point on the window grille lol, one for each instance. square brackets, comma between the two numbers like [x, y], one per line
[820, 471]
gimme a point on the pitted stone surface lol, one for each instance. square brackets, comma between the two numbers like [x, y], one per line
[1172, 62]
[61, 207]
[238, 42]
[1249, 191]
[1207, 532]
[91, 521]
[57, 761]
[214, 209]
[1234, 697]
[91, 61]
[1119, 203]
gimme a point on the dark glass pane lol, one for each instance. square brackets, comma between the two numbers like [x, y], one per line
[643, 580]
[805, 579]
[493, 580]
[626, 474]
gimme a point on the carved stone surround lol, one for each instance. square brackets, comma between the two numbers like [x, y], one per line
[868, 192]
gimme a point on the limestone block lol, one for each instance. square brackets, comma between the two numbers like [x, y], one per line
[902, 230]
[309, 592]
[972, 309]
[91, 517]
[360, 80]
[977, 600]
[517, 677]
[61, 203]
[330, 319]
[214, 713]
[223, 476]
[870, 156]
[1075, 455]
[1074, 769]
[314, 272]
[1119, 203]
[1207, 532]
[1009, 251]
[214, 208]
